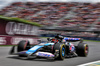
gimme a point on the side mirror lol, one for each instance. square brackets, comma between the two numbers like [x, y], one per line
[48, 39]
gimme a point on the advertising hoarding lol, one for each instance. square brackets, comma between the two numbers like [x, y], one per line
[11, 32]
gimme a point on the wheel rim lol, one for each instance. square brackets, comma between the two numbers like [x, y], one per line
[86, 50]
[63, 51]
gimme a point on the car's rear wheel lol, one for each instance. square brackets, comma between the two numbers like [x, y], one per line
[82, 49]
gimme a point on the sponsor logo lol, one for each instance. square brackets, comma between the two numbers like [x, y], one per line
[16, 40]
[13, 28]
[45, 54]
[2, 40]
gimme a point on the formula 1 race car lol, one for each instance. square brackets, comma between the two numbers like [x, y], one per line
[53, 48]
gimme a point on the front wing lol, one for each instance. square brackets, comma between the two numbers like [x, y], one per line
[37, 54]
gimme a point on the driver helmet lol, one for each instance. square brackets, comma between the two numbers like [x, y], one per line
[59, 36]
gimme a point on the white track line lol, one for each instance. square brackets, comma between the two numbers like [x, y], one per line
[89, 63]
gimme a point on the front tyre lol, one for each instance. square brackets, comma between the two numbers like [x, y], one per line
[62, 51]
[22, 46]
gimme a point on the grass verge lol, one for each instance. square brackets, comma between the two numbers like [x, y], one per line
[7, 45]
[92, 40]
[11, 45]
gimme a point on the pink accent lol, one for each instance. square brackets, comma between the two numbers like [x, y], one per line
[25, 44]
[52, 47]
[86, 50]
[71, 46]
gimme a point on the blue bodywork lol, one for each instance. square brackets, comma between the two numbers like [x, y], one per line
[35, 48]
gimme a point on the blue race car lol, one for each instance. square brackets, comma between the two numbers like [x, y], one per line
[54, 48]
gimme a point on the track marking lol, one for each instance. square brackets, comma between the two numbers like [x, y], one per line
[95, 63]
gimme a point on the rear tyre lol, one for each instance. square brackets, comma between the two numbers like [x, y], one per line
[22, 46]
[82, 49]
[62, 51]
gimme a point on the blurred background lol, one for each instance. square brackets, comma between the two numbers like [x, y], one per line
[78, 18]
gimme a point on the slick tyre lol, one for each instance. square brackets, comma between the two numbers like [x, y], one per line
[62, 51]
[82, 49]
[23, 45]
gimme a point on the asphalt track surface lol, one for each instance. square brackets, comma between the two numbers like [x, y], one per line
[11, 60]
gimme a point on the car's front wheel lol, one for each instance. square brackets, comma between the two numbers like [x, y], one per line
[22, 46]
[62, 50]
